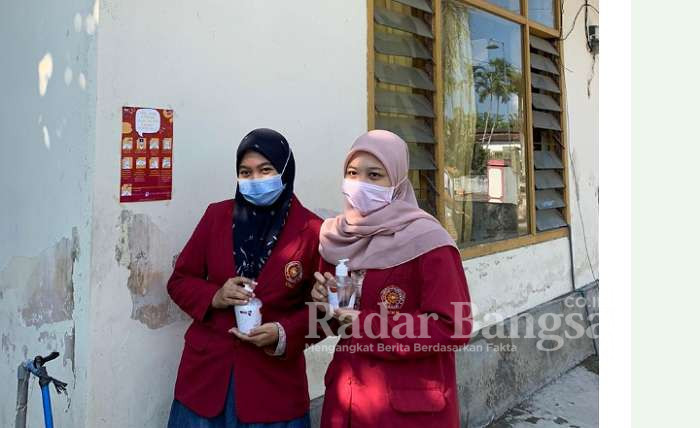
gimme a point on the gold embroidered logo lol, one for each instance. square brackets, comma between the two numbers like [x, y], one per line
[293, 273]
[393, 298]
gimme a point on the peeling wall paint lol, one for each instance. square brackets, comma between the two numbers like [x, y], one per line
[51, 284]
[8, 346]
[142, 250]
[44, 283]
[47, 130]
[69, 349]
[37, 313]
[48, 338]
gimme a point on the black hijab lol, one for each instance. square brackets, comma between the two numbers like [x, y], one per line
[256, 228]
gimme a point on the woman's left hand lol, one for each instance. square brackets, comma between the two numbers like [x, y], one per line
[265, 335]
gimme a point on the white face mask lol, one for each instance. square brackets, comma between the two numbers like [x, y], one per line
[366, 197]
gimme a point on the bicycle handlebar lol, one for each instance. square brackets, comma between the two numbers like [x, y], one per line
[36, 367]
[40, 361]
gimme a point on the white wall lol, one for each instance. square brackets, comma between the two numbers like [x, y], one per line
[504, 284]
[583, 143]
[225, 68]
[47, 136]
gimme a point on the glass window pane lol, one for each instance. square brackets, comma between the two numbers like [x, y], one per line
[513, 5]
[485, 170]
[541, 11]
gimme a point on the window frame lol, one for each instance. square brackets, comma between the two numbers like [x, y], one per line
[527, 27]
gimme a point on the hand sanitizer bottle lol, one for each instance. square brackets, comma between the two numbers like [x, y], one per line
[337, 288]
[248, 316]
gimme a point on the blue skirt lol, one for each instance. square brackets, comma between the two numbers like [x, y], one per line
[182, 417]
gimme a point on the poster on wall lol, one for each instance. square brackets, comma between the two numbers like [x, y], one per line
[146, 154]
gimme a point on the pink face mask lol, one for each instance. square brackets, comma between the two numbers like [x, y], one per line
[366, 197]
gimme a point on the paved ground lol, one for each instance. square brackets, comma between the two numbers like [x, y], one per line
[570, 401]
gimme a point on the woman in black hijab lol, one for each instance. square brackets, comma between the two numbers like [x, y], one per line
[258, 219]
[263, 238]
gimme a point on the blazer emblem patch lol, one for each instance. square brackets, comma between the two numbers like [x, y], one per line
[393, 298]
[293, 273]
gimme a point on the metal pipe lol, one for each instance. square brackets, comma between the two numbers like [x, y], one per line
[22, 392]
[46, 398]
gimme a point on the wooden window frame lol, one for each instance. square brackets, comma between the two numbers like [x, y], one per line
[528, 27]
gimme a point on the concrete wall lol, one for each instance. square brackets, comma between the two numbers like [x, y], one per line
[225, 68]
[495, 373]
[47, 102]
[507, 283]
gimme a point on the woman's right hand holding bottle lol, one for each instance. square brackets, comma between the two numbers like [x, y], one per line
[233, 293]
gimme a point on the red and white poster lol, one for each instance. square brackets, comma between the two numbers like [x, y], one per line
[147, 154]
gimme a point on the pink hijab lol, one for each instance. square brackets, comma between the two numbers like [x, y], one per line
[392, 235]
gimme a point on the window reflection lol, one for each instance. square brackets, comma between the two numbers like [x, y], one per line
[513, 5]
[485, 175]
[541, 11]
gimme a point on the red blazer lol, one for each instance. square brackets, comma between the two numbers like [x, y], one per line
[401, 385]
[275, 387]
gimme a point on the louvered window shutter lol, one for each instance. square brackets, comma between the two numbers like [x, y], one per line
[548, 152]
[404, 89]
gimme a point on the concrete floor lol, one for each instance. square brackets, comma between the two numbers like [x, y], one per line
[570, 401]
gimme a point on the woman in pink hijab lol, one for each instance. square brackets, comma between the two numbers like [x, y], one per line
[395, 363]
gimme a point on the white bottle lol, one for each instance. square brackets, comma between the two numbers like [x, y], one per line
[248, 316]
[341, 295]
[341, 273]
